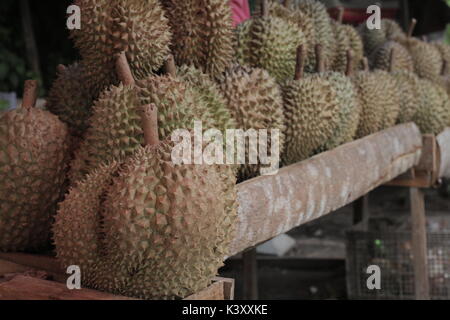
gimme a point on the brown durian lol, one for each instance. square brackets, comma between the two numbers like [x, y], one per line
[380, 59]
[34, 151]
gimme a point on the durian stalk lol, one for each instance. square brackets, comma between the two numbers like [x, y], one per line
[320, 59]
[412, 26]
[392, 60]
[170, 67]
[300, 65]
[29, 94]
[149, 118]
[264, 8]
[350, 57]
[365, 64]
[123, 70]
[340, 16]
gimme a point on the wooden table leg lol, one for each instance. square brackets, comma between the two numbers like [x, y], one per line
[419, 244]
[250, 270]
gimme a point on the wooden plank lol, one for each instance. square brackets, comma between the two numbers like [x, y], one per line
[419, 244]
[250, 274]
[228, 285]
[35, 261]
[443, 141]
[272, 205]
[28, 288]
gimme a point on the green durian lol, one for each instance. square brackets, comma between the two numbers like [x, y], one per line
[381, 58]
[408, 84]
[34, 151]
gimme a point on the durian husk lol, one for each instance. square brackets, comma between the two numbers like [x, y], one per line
[375, 38]
[433, 112]
[381, 57]
[34, 152]
[255, 102]
[202, 33]
[355, 44]
[311, 110]
[70, 99]
[136, 27]
[342, 44]
[408, 84]
[269, 43]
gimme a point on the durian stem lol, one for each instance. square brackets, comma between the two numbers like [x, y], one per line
[170, 67]
[29, 94]
[340, 16]
[264, 8]
[61, 68]
[319, 57]
[412, 26]
[300, 64]
[365, 64]
[392, 60]
[349, 70]
[123, 70]
[149, 117]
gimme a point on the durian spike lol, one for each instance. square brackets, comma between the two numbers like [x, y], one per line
[61, 68]
[392, 60]
[264, 8]
[340, 15]
[123, 70]
[350, 57]
[320, 59]
[287, 3]
[365, 64]
[300, 65]
[412, 26]
[29, 94]
[149, 118]
[170, 67]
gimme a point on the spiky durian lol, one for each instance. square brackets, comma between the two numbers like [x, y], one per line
[318, 13]
[311, 108]
[137, 27]
[381, 57]
[342, 44]
[115, 129]
[427, 59]
[203, 33]
[408, 84]
[349, 108]
[269, 43]
[444, 49]
[255, 102]
[305, 23]
[375, 38]
[34, 150]
[355, 44]
[379, 101]
[140, 218]
[70, 99]
[433, 113]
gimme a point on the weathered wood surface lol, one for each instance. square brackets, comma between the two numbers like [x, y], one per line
[443, 141]
[272, 205]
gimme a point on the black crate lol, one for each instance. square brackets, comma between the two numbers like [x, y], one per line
[391, 250]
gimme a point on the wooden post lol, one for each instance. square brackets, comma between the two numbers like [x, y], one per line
[361, 211]
[419, 244]
[250, 274]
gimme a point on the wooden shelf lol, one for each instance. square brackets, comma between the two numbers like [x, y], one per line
[272, 205]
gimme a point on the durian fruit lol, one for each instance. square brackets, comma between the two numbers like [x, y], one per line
[318, 13]
[380, 59]
[115, 130]
[355, 44]
[427, 58]
[349, 108]
[305, 23]
[379, 101]
[444, 49]
[109, 27]
[70, 99]
[433, 113]
[131, 238]
[311, 109]
[255, 102]
[269, 43]
[375, 38]
[202, 33]
[34, 151]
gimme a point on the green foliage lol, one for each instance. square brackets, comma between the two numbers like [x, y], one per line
[13, 71]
